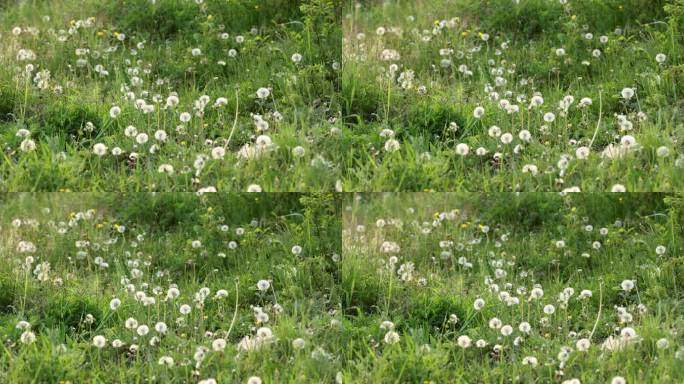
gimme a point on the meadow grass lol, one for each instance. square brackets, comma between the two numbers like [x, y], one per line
[363, 288]
[461, 288]
[461, 95]
[172, 95]
[255, 275]
[312, 95]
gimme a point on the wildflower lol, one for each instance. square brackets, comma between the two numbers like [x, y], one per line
[263, 93]
[166, 360]
[114, 304]
[27, 337]
[99, 341]
[391, 337]
[479, 112]
[185, 309]
[160, 327]
[462, 149]
[463, 341]
[479, 304]
[583, 345]
[218, 345]
[530, 360]
[100, 149]
[627, 93]
[114, 112]
[263, 285]
[627, 285]
[298, 343]
[662, 343]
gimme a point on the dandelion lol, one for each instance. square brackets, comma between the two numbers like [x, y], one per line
[494, 323]
[131, 323]
[263, 93]
[185, 309]
[296, 250]
[263, 285]
[478, 304]
[27, 337]
[618, 188]
[254, 188]
[627, 285]
[296, 58]
[142, 138]
[627, 93]
[392, 145]
[185, 117]
[530, 360]
[618, 380]
[166, 360]
[100, 149]
[660, 58]
[549, 309]
[27, 145]
[583, 345]
[99, 341]
[161, 327]
[298, 151]
[462, 149]
[662, 151]
[114, 304]
[525, 327]
[582, 153]
[114, 112]
[254, 380]
[142, 330]
[660, 250]
[217, 153]
[464, 341]
[298, 343]
[218, 345]
[391, 337]
[479, 112]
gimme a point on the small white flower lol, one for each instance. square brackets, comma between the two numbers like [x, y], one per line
[627, 285]
[27, 337]
[114, 304]
[100, 149]
[479, 112]
[263, 93]
[298, 343]
[185, 309]
[263, 285]
[218, 345]
[114, 112]
[99, 341]
[464, 341]
[391, 337]
[627, 93]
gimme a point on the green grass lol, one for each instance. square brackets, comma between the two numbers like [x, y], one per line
[460, 250]
[148, 258]
[131, 53]
[342, 118]
[463, 54]
[417, 260]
